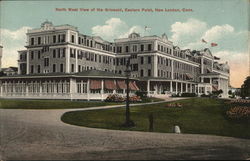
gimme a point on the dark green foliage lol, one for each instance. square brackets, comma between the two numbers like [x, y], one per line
[188, 95]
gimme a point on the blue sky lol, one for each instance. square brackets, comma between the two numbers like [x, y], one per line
[221, 21]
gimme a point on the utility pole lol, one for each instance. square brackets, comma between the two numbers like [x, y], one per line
[128, 121]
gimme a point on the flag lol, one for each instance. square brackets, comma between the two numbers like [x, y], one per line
[203, 40]
[147, 28]
[213, 44]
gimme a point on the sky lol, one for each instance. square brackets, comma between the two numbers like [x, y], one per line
[225, 22]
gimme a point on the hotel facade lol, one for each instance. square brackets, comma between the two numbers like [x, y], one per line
[61, 63]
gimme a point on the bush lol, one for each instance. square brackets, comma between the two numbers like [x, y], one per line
[114, 98]
[141, 94]
[188, 95]
[239, 113]
[118, 98]
[204, 95]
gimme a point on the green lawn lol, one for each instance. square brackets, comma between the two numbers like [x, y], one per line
[57, 104]
[197, 116]
[48, 104]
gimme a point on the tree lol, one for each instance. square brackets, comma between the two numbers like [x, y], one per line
[245, 88]
[217, 93]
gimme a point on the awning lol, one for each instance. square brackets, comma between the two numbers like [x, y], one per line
[133, 86]
[95, 84]
[189, 76]
[109, 84]
[214, 88]
[121, 84]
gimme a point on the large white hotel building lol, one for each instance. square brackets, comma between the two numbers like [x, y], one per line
[61, 63]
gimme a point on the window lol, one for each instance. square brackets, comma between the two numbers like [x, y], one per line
[119, 49]
[72, 38]
[32, 41]
[46, 62]
[58, 53]
[149, 59]
[142, 73]
[79, 68]
[54, 53]
[38, 69]
[63, 52]
[61, 67]
[63, 38]
[72, 67]
[54, 38]
[79, 40]
[158, 47]
[32, 54]
[39, 40]
[149, 47]
[54, 67]
[142, 60]
[149, 72]
[134, 48]
[142, 47]
[38, 54]
[127, 49]
[31, 69]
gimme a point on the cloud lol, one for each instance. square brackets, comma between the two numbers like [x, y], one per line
[137, 29]
[12, 41]
[115, 28]
[184, 32]
[217, 32]
[238, 62]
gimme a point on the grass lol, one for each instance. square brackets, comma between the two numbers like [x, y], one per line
[197, 116]
[57, 104]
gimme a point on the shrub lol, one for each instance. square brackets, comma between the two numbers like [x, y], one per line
[188, 95]
[142, 94]
[118, 98]
[239, 113]
[114, 98]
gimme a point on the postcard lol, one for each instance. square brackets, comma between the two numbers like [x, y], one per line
[124, 80]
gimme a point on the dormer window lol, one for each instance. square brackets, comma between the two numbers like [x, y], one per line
[72, 38]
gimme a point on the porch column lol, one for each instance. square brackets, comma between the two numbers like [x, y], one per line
[114, 91]
[156, 88]
[88, 89]
[102, 89]
[72, 84]
[176, 87]
[41, 87]
[171, 86]
[148, 87]
[186, 88]
[181, 87]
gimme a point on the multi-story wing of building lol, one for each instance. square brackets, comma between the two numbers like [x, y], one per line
[62, 63]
